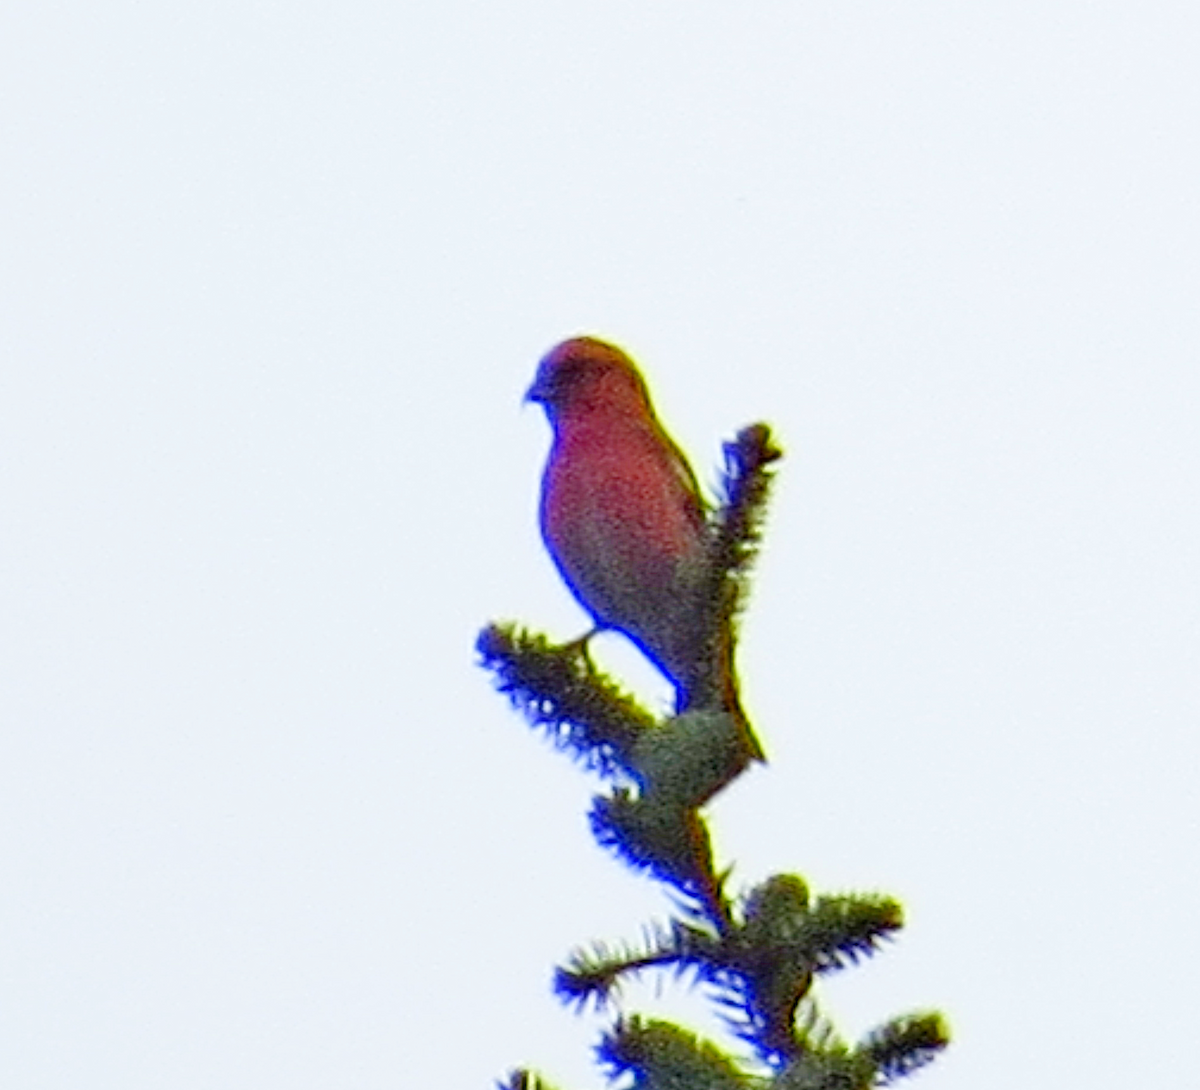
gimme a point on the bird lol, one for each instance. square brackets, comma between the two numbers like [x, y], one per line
[624, 521]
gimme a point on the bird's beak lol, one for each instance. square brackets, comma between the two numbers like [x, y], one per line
[539, 391]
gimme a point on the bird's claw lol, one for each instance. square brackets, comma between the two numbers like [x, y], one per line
[579, 649]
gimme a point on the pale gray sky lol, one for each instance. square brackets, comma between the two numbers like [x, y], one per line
[274, 279]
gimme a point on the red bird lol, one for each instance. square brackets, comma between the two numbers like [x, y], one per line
[623, 519]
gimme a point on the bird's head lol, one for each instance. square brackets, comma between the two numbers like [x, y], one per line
[587, 373]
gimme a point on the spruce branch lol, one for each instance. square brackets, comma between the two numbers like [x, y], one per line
[843, 929]
[689, 758]
[904, 1044]
[815, 1034]
[889, 1053]
[663, 838]
[523, 1080]
[835, 1068]
[734, 535]
[579, 709]
[661, 1056]
[759, 972]
[737, 524]
[595, 974]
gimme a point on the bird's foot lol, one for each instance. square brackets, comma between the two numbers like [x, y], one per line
[579, 649]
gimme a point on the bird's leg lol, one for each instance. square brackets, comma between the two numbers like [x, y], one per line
[580, 647]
